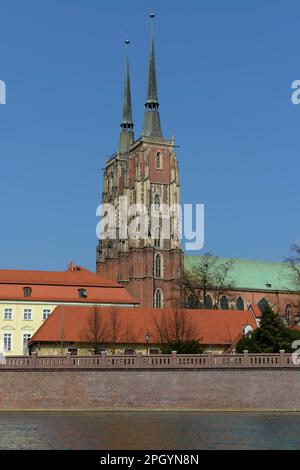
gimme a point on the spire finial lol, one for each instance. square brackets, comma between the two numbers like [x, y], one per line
[126, 137]
[152, 16]
[151, 127]
[152, 12]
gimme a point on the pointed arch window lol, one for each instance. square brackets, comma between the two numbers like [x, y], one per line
[157, 238]
[158, 298]
[288, 314]
[158, 161]
[224, 304]
[157, 202]
[263, 304]
[208, 303]
[191, 301]
[240, 304]
[158, 266]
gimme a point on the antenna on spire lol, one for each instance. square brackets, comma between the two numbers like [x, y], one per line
[127, 41]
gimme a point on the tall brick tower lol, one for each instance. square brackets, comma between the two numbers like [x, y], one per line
[146, 172]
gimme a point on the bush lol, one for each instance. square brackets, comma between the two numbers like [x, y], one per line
[191, 346]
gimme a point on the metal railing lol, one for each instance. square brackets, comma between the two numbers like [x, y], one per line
[157, 361]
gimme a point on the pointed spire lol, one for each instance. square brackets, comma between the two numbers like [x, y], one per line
[126, 134]
[152, 98]
[151, 127]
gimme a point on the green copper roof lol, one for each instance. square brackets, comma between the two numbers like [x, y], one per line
[256, 275]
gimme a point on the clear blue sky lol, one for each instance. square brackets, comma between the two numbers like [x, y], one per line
[224, 74]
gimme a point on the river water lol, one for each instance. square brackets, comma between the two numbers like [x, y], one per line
[149, 430]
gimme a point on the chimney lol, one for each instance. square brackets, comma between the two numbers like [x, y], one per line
[71, 267]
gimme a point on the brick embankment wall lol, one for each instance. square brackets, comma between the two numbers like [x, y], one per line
[224, 389]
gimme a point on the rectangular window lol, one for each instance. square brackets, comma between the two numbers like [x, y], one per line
[46, 313]
[27, 314]
[26, 338]
[7, 341]
[8, 314]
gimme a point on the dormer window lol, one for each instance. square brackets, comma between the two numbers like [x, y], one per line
[247, 330]
[82, 293]
[27, 291]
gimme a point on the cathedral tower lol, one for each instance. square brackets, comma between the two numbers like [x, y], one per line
[145, 171]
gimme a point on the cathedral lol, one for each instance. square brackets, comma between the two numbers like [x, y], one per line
[145, 171]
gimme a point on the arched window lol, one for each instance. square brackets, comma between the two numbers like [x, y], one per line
[158, 161]
[158, 298]
[192, 302]
[158, 266]
[224, 304]
[157, 202]
[208, 303]
[157, 237]
[240, 305]
[111, 183]
[288, 314]
[263, 304]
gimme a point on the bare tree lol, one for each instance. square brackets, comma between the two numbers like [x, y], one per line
[293, 262]
[209, 275]
[160, 324]
[115, 327]
[94, 334]
[62, 330]
[174, 326]
[129, 335]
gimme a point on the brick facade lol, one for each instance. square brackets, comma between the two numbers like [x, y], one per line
[138, 178]
[229, 389]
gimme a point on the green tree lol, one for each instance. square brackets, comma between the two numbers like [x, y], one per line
[270, 337]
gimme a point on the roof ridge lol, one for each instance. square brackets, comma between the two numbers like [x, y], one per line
[251, 260]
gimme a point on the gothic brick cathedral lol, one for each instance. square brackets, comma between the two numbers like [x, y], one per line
[146, 172]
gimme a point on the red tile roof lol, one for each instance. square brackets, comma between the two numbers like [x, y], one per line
[256, 310]
[214, 327]
[62, 286]
[77, 277]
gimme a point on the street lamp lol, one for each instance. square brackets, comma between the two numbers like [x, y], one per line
[147, 338]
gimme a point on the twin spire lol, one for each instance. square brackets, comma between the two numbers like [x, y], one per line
[151, 126]
[126, 134]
